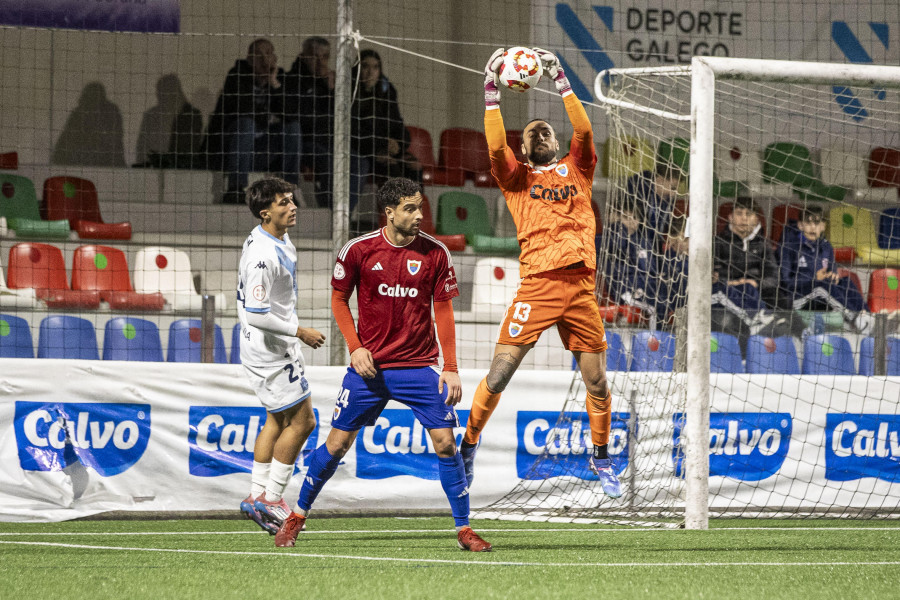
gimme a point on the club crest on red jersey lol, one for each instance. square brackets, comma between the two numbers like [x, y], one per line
[413, 266]
[563, 170]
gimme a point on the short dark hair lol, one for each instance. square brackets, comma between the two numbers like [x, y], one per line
[393, 190]
[812, 212]
[310, 42]
[262, 193]
[745, 202]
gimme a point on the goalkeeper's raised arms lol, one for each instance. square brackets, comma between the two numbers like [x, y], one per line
[492, 79]
[554, 69]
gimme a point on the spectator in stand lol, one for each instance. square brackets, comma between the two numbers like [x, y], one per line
[631, 269]
[656, 193]
[254, 125]
[379, 135]
[311, 82]
[808, 276]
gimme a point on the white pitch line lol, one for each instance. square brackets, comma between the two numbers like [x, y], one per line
[447, 532]
[458, 562]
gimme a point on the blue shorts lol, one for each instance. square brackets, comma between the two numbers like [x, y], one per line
[361, 401]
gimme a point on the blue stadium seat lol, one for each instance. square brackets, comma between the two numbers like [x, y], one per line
[827, 355]
[616, 359]
[15, 338]
[652, 351]
[127, 338]
[889, 229]
[772, 355]
[185, 339]
[236, 344]
[65, 336]
[867, 356]
[724, 354]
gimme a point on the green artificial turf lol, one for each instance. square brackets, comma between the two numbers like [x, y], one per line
[375, 558]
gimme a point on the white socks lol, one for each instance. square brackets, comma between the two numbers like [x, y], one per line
[259, 476]
[279, 475]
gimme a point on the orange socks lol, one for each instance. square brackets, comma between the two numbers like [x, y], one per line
[483, 405]
[600, 417]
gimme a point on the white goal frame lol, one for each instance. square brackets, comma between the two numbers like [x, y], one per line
[704, 71]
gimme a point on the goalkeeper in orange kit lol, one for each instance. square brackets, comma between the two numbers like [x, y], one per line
[550, 201]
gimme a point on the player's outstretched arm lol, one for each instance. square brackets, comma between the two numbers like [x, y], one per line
[503, 161]
[582, 148]
[446, 330]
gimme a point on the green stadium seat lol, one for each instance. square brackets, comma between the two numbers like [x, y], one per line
[467, 214]
[19, 204]
[789, 163]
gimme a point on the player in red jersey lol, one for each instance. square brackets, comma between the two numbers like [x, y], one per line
[397, 272]
[550, 201]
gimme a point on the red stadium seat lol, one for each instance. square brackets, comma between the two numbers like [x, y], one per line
[105, 270]
[42, 268]
[884, 168]
[514, 141]
[421, 147]
[853, 277]
[466, 150]
[782, 215]
[884, 290]
[75, 199]
[9, 161]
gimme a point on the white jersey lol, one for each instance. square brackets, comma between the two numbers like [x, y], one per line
[267, 283]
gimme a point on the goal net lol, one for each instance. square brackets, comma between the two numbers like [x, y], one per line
[775, 339]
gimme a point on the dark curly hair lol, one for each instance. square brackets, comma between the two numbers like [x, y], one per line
[394, 190]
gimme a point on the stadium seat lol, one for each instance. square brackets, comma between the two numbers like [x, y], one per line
[889, 229]
[236, 344]
[128, 338]
[75, 199]
[725, 354]
[19, 205]
[466, 150]
[851, 226]
[467, 214]
[853, 277]
[421, 147]
[867, 356]
[675, 151]
[495, 281]
[738, 171]
[105, 270]
[784, 215]
[616, 358]
[65, 336]
[167, 270]
[884, 290]
[41, 268]
[823, 192]
[772, 355]
[789, 163]
[514, 141]
[15, 337]
[10, 298]
[9, 161]
[827, 355]
[624, 157]
[884, 168]
[185, 338]
[652, 351]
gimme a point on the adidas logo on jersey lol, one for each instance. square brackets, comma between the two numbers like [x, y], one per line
[378, 267]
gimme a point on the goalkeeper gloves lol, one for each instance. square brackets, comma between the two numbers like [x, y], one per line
[554, 69]
[492, 79]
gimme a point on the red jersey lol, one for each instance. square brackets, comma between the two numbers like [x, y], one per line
[395, 286]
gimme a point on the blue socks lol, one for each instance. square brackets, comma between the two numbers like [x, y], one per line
[453, 480]
[322, 466]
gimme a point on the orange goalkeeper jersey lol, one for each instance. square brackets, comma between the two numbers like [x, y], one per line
[551, 205]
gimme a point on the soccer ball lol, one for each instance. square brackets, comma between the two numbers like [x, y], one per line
[521, 70]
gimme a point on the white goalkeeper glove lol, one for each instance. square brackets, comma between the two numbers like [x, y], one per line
[492, 79]
[554, 69]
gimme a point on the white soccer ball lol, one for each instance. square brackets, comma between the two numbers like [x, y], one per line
[521, 70]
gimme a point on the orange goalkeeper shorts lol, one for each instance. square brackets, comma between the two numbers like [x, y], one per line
[562, 297]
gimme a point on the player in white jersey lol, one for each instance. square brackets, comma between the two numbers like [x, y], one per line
[270, 349]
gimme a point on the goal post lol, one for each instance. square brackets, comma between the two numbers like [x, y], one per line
[704, 73]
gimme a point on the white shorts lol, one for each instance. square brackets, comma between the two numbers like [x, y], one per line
[280, 386]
